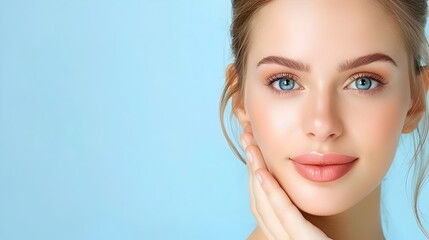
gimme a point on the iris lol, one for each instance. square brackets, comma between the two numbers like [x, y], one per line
[363, 83]
[286, 84]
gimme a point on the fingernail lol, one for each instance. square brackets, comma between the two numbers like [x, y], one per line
[259, 177]
[249, 157]
[244, 144]
[248, 128]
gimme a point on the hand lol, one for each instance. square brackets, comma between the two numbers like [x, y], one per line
[275, 214]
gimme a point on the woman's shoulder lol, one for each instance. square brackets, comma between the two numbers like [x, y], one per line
[257, 234]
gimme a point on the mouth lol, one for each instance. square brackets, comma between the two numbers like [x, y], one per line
[318, 167]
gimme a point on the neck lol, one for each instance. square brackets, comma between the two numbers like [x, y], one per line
[362, 221]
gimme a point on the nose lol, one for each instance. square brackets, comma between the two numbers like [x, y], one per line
[322, 118]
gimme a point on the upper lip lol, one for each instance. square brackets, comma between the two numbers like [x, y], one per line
[315, 158]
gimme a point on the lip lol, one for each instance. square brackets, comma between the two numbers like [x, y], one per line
[326, 167]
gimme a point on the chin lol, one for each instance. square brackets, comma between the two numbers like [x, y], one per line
[319, 208]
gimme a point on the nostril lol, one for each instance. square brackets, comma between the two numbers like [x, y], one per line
[333, 135]
[311, 134]
[323, 136]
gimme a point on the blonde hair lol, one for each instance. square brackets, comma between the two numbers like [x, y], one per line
[410, 15]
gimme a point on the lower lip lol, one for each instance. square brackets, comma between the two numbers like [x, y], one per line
[326, 173]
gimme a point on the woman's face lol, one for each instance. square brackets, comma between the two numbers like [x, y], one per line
[325, 80]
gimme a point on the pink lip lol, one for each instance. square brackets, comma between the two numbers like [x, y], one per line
[323, 167]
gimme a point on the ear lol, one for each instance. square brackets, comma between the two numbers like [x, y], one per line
[417, 109]
[234, 87]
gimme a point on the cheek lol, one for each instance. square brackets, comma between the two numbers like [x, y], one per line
[376, 131]
[386, 124]
[274, 124]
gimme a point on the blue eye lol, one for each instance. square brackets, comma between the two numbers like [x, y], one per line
[364, 83]
[284, 84]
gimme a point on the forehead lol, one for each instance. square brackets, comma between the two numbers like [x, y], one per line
[324, 31]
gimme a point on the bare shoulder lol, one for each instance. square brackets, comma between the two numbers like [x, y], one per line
[257, 234]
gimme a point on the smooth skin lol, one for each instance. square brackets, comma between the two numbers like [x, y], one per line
[324, 112]
[269, 202]
[278, 218]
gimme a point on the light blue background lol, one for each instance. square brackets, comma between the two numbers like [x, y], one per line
[109, 124]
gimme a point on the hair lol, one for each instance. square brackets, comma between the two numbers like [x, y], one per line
[409, 15]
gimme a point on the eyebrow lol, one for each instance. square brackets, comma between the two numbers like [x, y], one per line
[364, 60]
[346, 65]
[287, 62]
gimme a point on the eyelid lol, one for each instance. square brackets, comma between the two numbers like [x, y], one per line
[373, 76]
[274, 77]
[376, 77]
[278, 76]
[369, 92]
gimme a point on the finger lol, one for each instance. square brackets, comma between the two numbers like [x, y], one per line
[274, 209]
[290, 217]
[253, 205]
[241, 117]
[258, 165]
[248, 128]
[267, 216]
[251, 182]
[262, 206]
[245, 143]
[247, 140]
[257, 155]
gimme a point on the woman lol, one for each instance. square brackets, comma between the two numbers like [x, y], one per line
[323, 91]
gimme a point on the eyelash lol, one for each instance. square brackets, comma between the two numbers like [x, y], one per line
[279, 76]
[380, 80]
